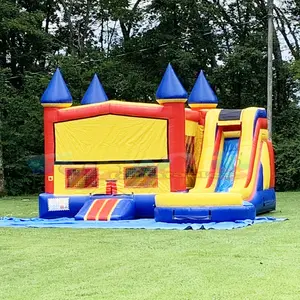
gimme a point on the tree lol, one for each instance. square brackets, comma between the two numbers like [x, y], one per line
[129, 44]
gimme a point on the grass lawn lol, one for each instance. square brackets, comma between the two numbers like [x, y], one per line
[258, 262]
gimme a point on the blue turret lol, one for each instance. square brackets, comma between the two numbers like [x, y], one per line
[57, 93]
[170, 88]
[95, 92]
[202, 95]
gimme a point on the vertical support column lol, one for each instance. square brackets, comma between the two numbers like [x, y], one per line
[176, 144]
[172, 95]
[56, 96]
[49, 144]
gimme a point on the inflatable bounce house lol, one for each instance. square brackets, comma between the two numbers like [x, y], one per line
[174, 161]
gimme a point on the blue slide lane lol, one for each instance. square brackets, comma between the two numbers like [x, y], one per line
[229, 157]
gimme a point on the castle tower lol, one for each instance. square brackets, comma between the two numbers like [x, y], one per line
[55, 97]
[202, 95]
[57, 93]
[172, 96]
[95, 92]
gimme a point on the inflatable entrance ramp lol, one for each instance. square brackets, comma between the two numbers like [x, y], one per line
[235, 176]
[107, 209]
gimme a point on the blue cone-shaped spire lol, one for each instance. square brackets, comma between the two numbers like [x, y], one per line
[202, 92]
[170, 86]
[95, 92]
[57, 91]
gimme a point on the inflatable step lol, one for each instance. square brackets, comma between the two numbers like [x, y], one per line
[205, 214]
[107, 209]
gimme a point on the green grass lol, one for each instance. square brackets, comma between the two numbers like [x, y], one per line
[258, 262]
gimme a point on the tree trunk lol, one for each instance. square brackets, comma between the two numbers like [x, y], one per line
[1, 158]
[126, 26]
[68, 15]
[48, 15]
[282, 23]
[280, 98]
[86, 22]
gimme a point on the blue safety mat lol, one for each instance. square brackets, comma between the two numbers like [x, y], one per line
[130, 224]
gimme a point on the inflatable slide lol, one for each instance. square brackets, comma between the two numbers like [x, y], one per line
[235, 178]
[181, 160]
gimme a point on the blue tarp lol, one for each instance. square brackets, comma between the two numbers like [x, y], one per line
[130, 224]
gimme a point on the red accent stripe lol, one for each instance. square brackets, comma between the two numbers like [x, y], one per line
[156, 112]
[202, 117]
[231, 127]
[192, 115]
[192, 162]
[272, 164]
[257, 176]
[83, 112]
[214, 158]
[261, 124]
[107, 209]
[152, 111]
[95, 209]
[236, 161]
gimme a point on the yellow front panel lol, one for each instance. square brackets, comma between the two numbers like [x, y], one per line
[115, 172]
[111, 138]
[195, 199]
[190, 128]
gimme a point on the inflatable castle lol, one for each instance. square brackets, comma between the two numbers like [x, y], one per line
[182, 160]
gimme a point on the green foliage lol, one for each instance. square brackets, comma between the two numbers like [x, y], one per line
[287, 148]
[129, 44]
[246, 78]
[22, 136]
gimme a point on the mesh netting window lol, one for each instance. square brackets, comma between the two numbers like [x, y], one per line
[81, 178]
[190, 154]
[141, 177]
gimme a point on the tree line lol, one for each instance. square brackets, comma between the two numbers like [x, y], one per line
[128, 44]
